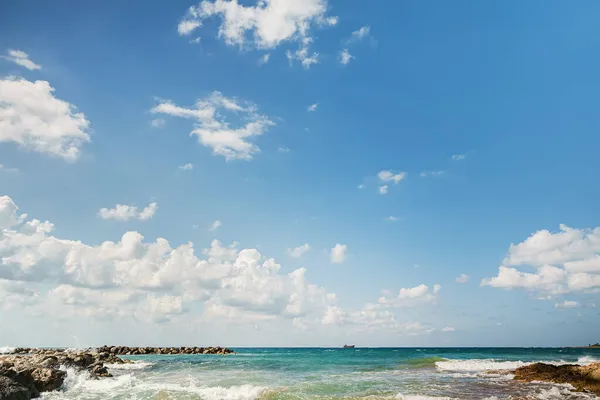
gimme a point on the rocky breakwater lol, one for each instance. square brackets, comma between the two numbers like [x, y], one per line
[23, 377]
[132, 351]
[583, 378]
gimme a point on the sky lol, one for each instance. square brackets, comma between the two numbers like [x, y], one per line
[299, 173]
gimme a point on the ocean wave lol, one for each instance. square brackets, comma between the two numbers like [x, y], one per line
[136, 365]
[478, 365]
[587, 360]
[6, 349]
[424, 362]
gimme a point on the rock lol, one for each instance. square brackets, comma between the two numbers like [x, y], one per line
[48, 379]
[11, 390]
[101, 371]
[586, 378]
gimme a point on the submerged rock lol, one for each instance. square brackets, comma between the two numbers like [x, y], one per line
[583, 378]
[11, 390]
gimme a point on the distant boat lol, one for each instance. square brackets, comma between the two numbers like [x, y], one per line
[348, 346]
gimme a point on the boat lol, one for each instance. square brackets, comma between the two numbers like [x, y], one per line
[348, 346]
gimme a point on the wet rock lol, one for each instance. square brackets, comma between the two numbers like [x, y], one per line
[48, 379]
[583, 378]
[11, 390]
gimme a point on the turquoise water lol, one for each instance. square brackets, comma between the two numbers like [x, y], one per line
[336, 374]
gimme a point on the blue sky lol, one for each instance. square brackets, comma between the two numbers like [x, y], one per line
[494, 103]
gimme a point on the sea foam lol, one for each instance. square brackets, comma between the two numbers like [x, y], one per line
[6, 349]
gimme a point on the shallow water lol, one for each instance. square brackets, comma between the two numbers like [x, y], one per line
[329, 374]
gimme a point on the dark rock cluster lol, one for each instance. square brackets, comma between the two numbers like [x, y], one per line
[130, 351]
[23, 377]
[583, 378]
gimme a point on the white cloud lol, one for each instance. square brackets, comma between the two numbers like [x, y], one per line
[264, 59]
[7, 169]
[33, 118]
[299, 251]
[361, 186]
[187, 26]
[186, 167]
[264, 25]
[563, 262]
[462, 278]
[391, 218]
[215, 225]
[433, 174]
[196, 40]
[345, 57]
[283, 150]
[157, 123]
[313, 107]
[459, 157]
[389, 176]
[360, 34]
[566, 304]
[409, 297]
[21, 58]
[383, 189]
[448, 329]
[214, 131]
[149, 281]
[124, 212]
[303, 55]
[338, 253]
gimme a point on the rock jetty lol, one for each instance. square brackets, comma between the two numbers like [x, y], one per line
[23, 377]
[132, 351]
[27, 372]
[583, 378]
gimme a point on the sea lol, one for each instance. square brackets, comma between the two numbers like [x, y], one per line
[331, 374]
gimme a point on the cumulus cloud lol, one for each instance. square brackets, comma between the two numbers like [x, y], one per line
[262, 25]
[345, 57]
[459, 157]
[303, 54]
[33, 118]
[391, 218]
[383, 189]
[299, 251]
[408, 297]
[338, 253]
[186, 167]
[148, 280]
[361, 33]
[215, 225]
[124, 212]
[562, 262]
[462, 278]
[389, 176]
[448, 329]
[21, 58]
[214, 130]
[313, 107]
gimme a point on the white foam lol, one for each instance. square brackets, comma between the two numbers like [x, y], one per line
[559, 393]
[242, 392]
[587, 360]
[136, 365]
[478, 365]
[6, 349]
[475, 365]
